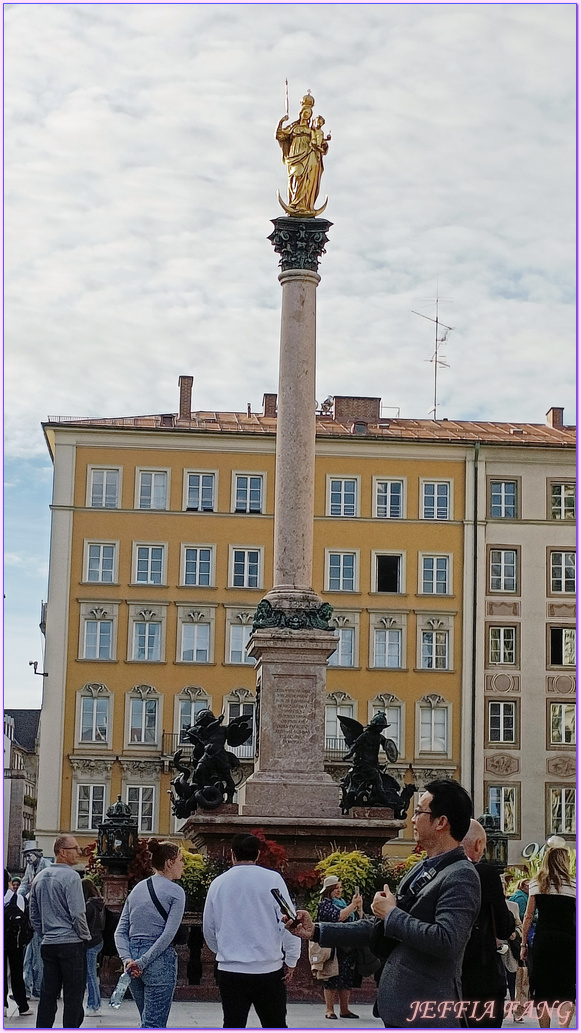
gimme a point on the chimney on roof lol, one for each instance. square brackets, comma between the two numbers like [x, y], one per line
[554, 418]
[269, 405]
[354, 408]
[185, 385]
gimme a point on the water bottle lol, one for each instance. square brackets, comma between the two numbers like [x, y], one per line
[119, 991]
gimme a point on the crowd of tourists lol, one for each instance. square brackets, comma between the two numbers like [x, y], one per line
[449, 950]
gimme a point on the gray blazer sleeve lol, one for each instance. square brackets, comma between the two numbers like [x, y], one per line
[345, 934]
[457, 907]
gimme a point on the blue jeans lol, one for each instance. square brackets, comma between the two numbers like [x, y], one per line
[33, 966]
[153, 990]
[93, 989]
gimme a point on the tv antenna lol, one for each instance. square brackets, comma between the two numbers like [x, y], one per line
[437, 359]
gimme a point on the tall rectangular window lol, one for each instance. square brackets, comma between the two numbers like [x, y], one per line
[90, 806]
[152, 489]
[387, 647]
[436, 500]
[197, 566]
[243, 710]
[246, 568]
[501, 722]
[196, 643]
[239, 638]
[563, 572]
[394, 725]
[189, 710]
[147, 640]
[141, 802]
[98, 640]
[100, 563]
[562, 720]
[334, 738]
[435, 575]
[149, 564]
[104, 489]
[341, 572]
[563, 501]
[94, 718]
[343, 497]
[389, 499]
[562, 647]
[435, 650]
[502, 804]
[344, 653]
[434, 729]
[563, 802]
[388, 573]
[248, 494]
[503, 570]
[503, 499]
[200, 492]
[502, 645]
[143, 721]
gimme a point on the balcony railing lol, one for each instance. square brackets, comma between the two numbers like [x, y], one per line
[335, 749]
[173, 741]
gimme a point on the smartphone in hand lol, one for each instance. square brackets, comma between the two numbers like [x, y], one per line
[286, 908]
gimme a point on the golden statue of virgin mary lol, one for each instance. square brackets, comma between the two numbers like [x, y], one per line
[303, 145]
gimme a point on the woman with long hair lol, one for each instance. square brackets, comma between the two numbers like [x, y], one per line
[149, 921]
[333, 908]
[95, 911]
[552, 961]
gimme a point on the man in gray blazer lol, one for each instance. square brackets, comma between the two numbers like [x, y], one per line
[425, 930]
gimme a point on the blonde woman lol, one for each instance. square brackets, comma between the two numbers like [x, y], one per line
[552, 961]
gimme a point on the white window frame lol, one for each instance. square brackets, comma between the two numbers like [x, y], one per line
[503, 575]
[342, 622]
[439, 637]
[95, 610]
[424, 482]
[140, 789]
[435, 556]
[343, 479]
[377, 481]
[91, 786]
[558, 798]
[560, 707]
[392, 708]
[343, 705]
[434, 703]
[194, 615]
[563, 513]
[564, 629]
[503, 645]
[197, 699]
[144, 694]
[246, 634]
[100, 543]
[92, 468]
[246, 549]
[503, 481]
[139, 470]
[247, 750]
[508, 797]
[140, 613]
[234, 492]
[186, 492]
[560, 579]
[183, 553]
[375, 554]
[505, 707]
[135, 561]
[101, 623]
[397, 639]
[94, 694]
[436, 623]
[342, 553]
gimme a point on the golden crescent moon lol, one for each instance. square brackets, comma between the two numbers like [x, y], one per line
[302, 215]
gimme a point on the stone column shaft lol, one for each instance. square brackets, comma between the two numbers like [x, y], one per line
[295, 441]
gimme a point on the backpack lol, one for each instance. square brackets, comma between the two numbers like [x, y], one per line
[18, 931]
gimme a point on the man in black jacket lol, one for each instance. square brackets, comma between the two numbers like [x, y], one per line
[483, 971]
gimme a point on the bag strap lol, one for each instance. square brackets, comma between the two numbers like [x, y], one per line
[155, 899]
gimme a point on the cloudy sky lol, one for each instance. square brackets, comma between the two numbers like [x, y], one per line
[141, 174]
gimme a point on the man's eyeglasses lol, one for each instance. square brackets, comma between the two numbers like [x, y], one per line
[418, 810]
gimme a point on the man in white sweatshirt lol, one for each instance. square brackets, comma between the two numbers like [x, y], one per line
[256, 955]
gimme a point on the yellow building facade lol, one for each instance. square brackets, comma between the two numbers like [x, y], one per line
[161, 549]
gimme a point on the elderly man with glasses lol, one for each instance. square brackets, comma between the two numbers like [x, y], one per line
[57, 911]
[423, 932]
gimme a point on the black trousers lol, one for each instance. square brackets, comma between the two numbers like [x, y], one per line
[65, 967]
[266, 991]
[482, 1003]
[15, 958]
